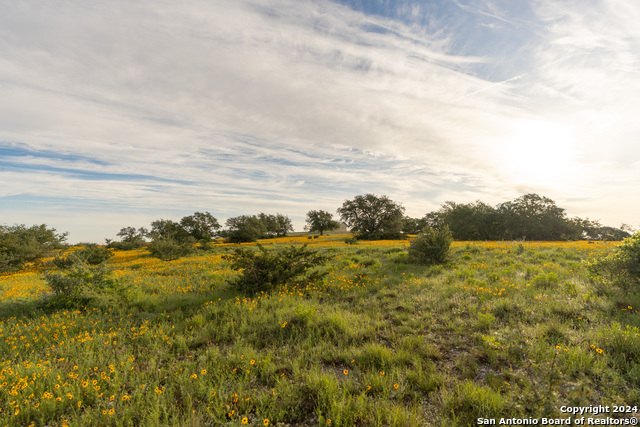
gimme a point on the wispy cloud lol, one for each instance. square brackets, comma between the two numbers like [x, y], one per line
[242, 106]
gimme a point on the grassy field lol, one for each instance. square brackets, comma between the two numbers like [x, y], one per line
[505, 329]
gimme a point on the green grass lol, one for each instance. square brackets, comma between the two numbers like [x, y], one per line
[501, 330]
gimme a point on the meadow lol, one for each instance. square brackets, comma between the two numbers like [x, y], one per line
[503, 329]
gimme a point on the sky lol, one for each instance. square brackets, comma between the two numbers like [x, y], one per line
[118, 113]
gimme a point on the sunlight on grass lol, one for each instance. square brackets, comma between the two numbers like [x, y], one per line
[504, 329]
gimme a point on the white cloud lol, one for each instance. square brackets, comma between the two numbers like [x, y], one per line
[248, 105]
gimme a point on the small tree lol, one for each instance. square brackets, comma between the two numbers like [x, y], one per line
[168, 229]
[283, 225]
[130, 238]
[431, 246]
[19, 244]
[245, 228]
[277, 225]
[321, 221]
[201, 226]
[373, 217]
[263, 270]
[173, 240]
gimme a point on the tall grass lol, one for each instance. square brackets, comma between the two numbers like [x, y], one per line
[502, 330]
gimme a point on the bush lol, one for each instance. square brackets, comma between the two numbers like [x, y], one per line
[93, 254]
[77, 283]
[244, 228]
[168, 249]
[351, 241]
[90, 254]
[263, 271]
[431, 246]
[19, 244]
[622, 266]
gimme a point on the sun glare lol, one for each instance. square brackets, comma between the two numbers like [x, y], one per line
[540, 153]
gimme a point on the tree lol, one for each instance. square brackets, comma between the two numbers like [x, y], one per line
[321, 221]
[131, 238]
[472, 221]
[373, 217]
[201, 226]
[593, 230]
[276, 225]
[533, 217]
[413, 225]
[283, 225]
[612, 233]
[19, 244]
[245, 228]
[168, 229]
[170, 240]
[530, 217]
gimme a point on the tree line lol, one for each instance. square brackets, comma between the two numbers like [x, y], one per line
[204, 227]
[368, 216]
[529, 217]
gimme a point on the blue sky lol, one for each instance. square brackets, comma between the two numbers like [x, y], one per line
[118, 113]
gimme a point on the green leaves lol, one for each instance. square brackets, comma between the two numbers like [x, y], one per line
[321, 221]
[19, 244]
[168, 249]
[431, 246]
[83, 277]
[621, 267]
[264, 270]
[373, 217]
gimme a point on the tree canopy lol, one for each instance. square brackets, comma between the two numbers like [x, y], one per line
[321, 221]
[20, 244]
[244, 228]
[201, 226]
[277, 225]
[249, 228]
[373, 217]
[529, 217]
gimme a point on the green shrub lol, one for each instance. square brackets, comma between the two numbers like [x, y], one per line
[19, 244]
[620, 267]
[168, 249]
[90, 254]
[431, 246]
[78, 283]
[263, 271]
[351, 241]
[93, 254]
